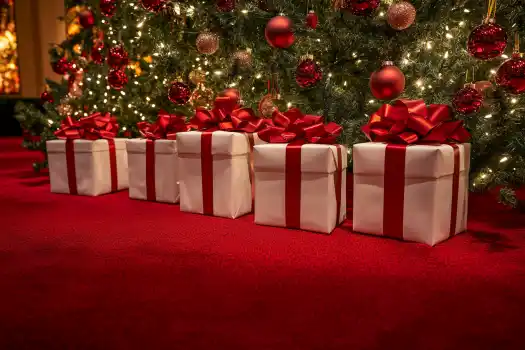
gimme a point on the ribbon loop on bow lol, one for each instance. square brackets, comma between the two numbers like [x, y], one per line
[94, 127]
[411, 121]
[165, 127]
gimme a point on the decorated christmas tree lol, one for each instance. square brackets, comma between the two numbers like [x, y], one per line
[341, 59]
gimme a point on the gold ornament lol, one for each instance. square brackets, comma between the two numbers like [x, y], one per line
[202, 96]
[243, 58]
[197, 76]
[266, 106]
[401, 15]
[207, 43]
[64, 108]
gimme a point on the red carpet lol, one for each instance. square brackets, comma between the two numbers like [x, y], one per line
[112, 273]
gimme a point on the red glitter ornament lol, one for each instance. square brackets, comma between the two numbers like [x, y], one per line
[108, 7]
[388, 82]
[97, 53]
[232, 93]
[46, 97]
[360, 7]
[117, 79]
[308, 73]
[511, 75]
[279, 32]
[179, 93]
[312, 20]
[467, 100]
[487, 41]
[62, 66]
[86, 19]
[225, 5]
[153, 5]
[117, 57]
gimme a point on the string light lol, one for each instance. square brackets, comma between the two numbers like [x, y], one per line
[488, 116]
[503, 160]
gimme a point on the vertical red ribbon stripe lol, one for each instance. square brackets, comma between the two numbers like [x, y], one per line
[113, 165]
[207, 173]
[455, 191]
[394, 197]
[251, 141]
[150, 170]
[338, 177]
[70, 165]
[293, 186]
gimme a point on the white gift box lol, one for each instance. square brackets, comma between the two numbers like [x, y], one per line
[160, 173]
[214, 180]
[90, 163]
[423, 198]
[316, 187]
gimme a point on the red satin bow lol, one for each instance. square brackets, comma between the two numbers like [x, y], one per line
[165, 127]
[293, 126]
[96, 126]
[226, 115]
[411, 121]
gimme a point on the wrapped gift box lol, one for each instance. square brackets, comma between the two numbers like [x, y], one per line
[214, 174]
[86, 167]
[153, 170]
[300, 187]
[416, 193]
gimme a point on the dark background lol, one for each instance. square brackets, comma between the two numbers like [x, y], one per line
[9, 126]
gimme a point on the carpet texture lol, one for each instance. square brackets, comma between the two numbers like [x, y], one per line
[114, 273]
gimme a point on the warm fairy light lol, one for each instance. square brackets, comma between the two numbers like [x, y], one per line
[50, 121]
[371, 101]
[381, 14]
[141, 23]
[218, 73]
[345, 83]
[493, 71]
[504, 56]
[289, 104]
[124, 128]
[503, 160]
[419, 82]
[514, 100]
[449, 36]
[429, 45]
[488, 116]
[461, 24]
[466, 10]
[446, 55]
[258, 76]
[483, 176]
[244, 11]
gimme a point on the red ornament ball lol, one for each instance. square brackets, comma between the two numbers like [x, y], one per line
[232, 93]
[46, 97]
[62, 66]
[207, 43]
[511, 75]
[86, 19]
[279, 32]
[312, 20]
[153, 5]
[117, 79]
[108, 7]
[118, 57]
[308, 73]
[487, 41]
[179, 93]
[388, 82]
[467, 100]
[97, 53]
[225, 5]
[361, 7]
[401, 15]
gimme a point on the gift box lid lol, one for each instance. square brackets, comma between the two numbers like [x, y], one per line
[422, 161]
[161, 146]
[315, 158]
[223, 142]
[85, 146]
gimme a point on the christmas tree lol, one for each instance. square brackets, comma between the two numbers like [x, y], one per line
[134, 57]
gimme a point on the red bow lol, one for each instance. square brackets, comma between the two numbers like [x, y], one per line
[411, 121]
[226, 115]
[293, 126]
[96, 126]
[166, 127]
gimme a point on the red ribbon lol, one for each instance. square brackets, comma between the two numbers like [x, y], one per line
[411, 121]
[207, 173]
[165, 127]
[151, 193]
[293, 126]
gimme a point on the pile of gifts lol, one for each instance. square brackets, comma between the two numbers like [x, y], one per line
[409, 183]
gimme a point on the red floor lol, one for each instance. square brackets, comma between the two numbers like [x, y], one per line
[112, 273]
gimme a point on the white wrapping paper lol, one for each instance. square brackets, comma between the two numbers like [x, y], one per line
[427, 205]
[165, 170]
[318, 207]
[92, 166]
[231, 177]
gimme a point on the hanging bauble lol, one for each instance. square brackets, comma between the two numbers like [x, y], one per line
[360, 7]
[46, 97]
[267, 106]
[86, 19]
[75, 84]
[97, 53]
[308, 73]
[64, 109]
[388, 82]
[62, 66]
[279, 32]
[511, 75]
[467, 100]
[153, 5]
[197, 76]
[202, 97]
[312, 20]
[243, 58]
[207, 43]
[179, 93]
[232, 93]
[401, 15]
[118, 57]
[108, 7]
[117, 79]
[225, 5]
[487, 41]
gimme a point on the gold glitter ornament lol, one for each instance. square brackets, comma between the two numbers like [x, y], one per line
[266, 106]
[202, 97]
[243, 58]
[64, 108]
[207, 43]
[197, 76]
[401, 15]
